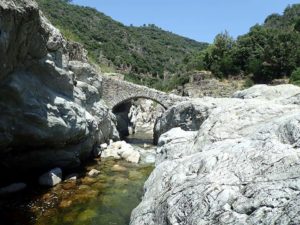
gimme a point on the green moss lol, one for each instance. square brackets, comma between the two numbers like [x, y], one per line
[86, 215]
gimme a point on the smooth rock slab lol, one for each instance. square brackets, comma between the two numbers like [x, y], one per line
[241, 167]
[51, 178]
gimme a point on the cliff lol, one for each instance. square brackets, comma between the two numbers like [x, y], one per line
[51, 112]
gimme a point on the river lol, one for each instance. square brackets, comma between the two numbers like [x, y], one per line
[106, 199]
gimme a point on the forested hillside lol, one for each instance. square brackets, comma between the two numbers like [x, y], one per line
[151, 56]
[145, 54]
[269, 51]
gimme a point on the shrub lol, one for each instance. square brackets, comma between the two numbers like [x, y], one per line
[248, 82]
[295, 77]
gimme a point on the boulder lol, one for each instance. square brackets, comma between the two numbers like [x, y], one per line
[187, 115]
[49, 94]
[118, 168]
[51, 178]
[103, 146]
[240, 167]
[71, 177]
[172, 144]
[121, 150]
[93, 172]
[266, 92]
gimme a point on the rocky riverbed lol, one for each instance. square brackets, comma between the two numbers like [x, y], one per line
[102, 192]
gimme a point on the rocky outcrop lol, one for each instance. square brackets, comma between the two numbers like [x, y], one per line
[187, 115]
[51, 112]
[203, 83]
[137, 116]
[143, 114]
[240, 167]
[265, 92]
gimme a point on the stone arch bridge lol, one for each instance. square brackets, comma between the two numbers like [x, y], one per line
[116, 91]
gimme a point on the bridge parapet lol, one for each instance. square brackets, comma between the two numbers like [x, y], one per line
[116, 92]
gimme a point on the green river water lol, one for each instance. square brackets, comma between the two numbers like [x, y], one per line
[106, 199]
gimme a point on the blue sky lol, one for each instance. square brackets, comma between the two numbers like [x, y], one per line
[197, 19]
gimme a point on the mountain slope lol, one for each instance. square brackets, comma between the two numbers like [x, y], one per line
[267, 52]
[146, 50]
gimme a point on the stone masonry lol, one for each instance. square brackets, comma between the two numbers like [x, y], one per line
[116, 92]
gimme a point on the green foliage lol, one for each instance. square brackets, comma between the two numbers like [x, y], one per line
[138, 51]
[248, 82]
[295, 77]
[146, 54]
[267, 52]
[219, 58]
[297, 25]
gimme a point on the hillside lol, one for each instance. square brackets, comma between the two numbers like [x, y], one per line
[146, 51]
[286, 21]
[267, 52]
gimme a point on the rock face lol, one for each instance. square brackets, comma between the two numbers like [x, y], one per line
[265, 92]
[242, 166]
[143, 114]
[137, 116]
[51, 112]
[187, 115]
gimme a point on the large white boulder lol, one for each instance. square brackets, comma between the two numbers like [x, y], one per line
[241, 167]
[121, 150]
[265, 92]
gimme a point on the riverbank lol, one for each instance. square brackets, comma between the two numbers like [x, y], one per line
[104, 198]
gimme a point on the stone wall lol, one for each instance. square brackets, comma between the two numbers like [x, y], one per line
[116, 92]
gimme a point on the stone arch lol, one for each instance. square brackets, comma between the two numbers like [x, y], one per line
[125, 100]
[116, 92]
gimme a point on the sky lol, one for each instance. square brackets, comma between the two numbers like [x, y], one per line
[200, 20]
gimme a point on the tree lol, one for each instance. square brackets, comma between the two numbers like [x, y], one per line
[295, 77]
[219, 57]
[297, 26]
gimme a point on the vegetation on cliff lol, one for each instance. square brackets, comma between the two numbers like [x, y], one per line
[153, 57]
[147, 54]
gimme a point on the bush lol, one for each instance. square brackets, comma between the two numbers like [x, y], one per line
[295, 77]
[248, 82]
